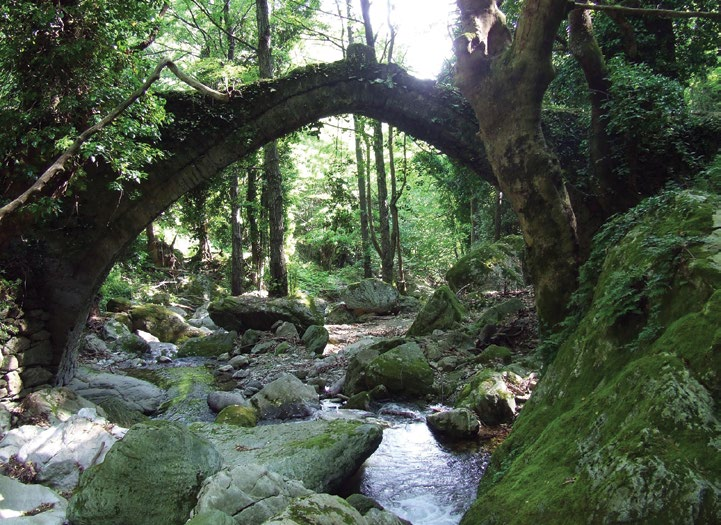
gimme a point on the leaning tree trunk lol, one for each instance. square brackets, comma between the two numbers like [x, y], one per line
[278, 282]
[505, 82]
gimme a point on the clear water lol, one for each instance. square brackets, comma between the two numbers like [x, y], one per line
[419, 478]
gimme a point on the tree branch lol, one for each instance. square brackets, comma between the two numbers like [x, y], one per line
[662, 13]
[52, 174]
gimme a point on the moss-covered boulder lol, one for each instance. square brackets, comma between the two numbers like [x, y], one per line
[489, 267]
[488, 396]
[211, 345]
[238, 415]
[315, 339]
[319, 509]
[371, 296]
[321, 454]
[162, 322]
[403, 370]
[624, 426]
[285, 398]
[495, 354]
[249, 312]
[443, 311]
[398, 365]
[151, 476]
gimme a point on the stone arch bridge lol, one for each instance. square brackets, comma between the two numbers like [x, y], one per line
[70, 258]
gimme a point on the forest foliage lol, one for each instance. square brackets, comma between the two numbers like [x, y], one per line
[64, 64]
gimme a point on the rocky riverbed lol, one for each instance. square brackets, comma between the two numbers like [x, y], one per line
[224, 408]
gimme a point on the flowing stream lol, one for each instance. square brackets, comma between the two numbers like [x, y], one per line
[417, 477]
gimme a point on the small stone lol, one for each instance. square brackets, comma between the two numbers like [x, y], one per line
[164, 359]
[315, 339]
[9, 363]
[239, 361]
[238, 415]
[226, 369]
[458, 423]
[217, 401]
[241, 374]
[224, 357]
[287, 330]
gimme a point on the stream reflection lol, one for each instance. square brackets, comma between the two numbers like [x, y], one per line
[418, 478]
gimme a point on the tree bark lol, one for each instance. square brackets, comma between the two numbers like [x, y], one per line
[278, 280]
[358, 132]
[505, 82]
[253, 220]
[236, 257]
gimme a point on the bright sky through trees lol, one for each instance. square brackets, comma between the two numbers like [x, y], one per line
[423, 38]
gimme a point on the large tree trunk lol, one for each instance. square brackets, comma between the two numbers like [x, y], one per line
[278, 281]
[505, 84]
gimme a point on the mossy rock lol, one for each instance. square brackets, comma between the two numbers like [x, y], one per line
[212, 517]
[151, 476]
[315, 339]
[443, 311]
[489, 267]
[119, 413]
[495, 353]
[211, 345]
[319, 509]
[403, 370]
[371, 296]
[624, 425]
[488, 396]
[162, 322]
[238, 415]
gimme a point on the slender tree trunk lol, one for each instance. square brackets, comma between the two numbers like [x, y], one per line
[278, 281]
[362, 197]
[236, 266]
[358, 132]
[386, 251]
[395, 195]
[253, 220]
[386, 247]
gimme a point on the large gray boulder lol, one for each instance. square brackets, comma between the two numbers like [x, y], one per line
[60, 453]
[251, 494]
[22, 504]
[285, 398]
[136, 394]
[371, 296]
[321, 454]
[443, 311]
[249, 312]
[219, 399]
[403, 369]
[152, 476]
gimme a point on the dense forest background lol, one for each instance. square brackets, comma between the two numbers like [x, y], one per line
[358, 197]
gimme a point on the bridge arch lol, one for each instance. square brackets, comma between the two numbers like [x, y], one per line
[207, 136]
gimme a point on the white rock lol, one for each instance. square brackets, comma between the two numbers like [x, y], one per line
[60, 453]
[17, 498]
[135, 393]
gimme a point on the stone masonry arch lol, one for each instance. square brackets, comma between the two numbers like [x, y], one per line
[74, 255]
